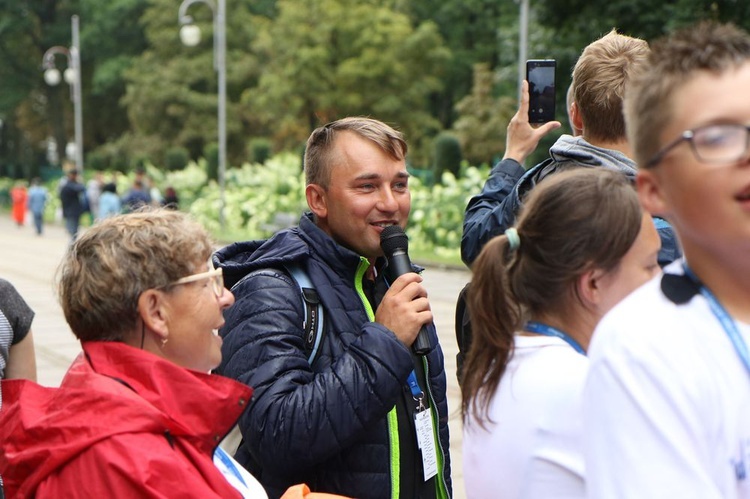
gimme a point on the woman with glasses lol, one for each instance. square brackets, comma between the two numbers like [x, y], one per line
[138, 414]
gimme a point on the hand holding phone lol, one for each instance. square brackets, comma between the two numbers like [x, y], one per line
[540, 73]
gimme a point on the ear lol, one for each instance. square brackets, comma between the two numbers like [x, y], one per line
[575, 117]
[650, 192]
[589, 289]
[317, 200]
[152, 308]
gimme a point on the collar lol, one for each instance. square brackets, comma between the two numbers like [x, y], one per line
[196, 404]
[679, 288]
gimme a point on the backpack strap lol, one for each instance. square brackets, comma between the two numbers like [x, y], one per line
[313, 309]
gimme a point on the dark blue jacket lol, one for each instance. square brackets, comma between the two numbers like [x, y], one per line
[494, 210]
[330, 424]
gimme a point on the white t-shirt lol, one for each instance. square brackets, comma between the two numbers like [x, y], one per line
[666, 402]
[532, 447]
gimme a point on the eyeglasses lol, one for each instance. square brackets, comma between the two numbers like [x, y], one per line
[713, 144]
[216, 276]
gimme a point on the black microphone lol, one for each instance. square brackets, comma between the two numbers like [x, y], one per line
[395, 246]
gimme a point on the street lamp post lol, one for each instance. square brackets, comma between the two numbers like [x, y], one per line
[72, 76]
[190, 35]
[523, 36]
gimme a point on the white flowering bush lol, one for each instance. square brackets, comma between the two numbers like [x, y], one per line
[256, 193]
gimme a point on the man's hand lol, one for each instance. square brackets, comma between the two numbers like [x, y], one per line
[522, 138]
[405, 308]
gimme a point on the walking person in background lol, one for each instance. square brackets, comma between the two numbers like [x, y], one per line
[38, 197]
[580, 245]
[72, 196]
[19, 200]
[93, 191]
[171, 200]
[136, 197]
[109, 201]
[667, 398]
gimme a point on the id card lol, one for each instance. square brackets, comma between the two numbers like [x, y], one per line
[426, 443]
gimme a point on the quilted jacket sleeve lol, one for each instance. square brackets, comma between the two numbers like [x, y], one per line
[299, 418]
[491, 211]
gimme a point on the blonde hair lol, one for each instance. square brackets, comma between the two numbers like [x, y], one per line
[599, 80]
[113, 262]
[319, 150]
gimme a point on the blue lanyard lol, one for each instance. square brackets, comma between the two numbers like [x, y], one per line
[546, 330]
[224, 458]
[726, 321]
[416, 392]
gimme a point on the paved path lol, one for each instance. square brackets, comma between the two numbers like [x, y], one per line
[30, 263]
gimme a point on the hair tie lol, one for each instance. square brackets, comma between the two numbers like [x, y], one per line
[514, 240]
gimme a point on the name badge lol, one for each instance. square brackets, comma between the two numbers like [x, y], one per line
[426, 443]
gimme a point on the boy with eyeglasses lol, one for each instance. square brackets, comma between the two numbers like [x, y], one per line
[667, 401]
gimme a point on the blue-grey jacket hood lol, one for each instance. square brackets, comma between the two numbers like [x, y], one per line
[576, 149]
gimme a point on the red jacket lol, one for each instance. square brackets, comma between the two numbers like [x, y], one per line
[124, 423]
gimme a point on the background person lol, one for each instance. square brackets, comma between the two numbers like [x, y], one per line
[19, 200]
[580, 245]
[171, 200]
[599, 79]
[136, 198]
[109, 201]
[38, 198]
[667, 399]
[93, 191]
[137, 414]
[72, 196]
[346, 423]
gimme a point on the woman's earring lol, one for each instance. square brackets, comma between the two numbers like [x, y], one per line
[164, 342]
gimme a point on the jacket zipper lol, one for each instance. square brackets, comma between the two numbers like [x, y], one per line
[442, 489]
[394, 449]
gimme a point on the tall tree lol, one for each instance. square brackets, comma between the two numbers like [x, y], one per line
[32, 111]
[578, 22]
[325, 59]
[171, 94]
[482, 119]
[471, 30]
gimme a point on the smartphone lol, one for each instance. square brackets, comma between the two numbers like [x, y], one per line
[540, 73]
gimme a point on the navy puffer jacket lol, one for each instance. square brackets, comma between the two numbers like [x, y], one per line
[494, 209]
[326, 425]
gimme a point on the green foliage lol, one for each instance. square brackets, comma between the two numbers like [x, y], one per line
[171, 94]
[293, 65]
[176, 158]
[256, 193]
[259, 149]
[326, 59]
[446, 154]
[211, 154]
[96, 160]
[483, 119]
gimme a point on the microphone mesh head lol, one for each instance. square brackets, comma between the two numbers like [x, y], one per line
[393, 238]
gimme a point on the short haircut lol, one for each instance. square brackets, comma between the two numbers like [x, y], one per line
[118, 258]
[707, 47]
[599, 80]
[319, 153]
